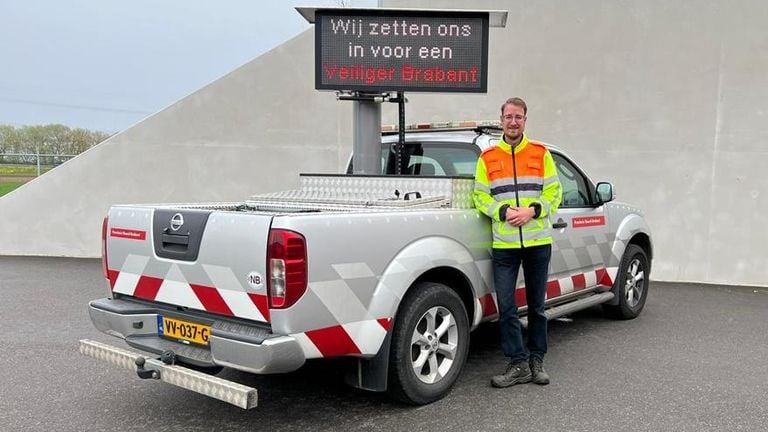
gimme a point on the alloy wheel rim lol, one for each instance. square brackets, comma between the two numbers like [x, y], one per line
[634, 285]
[434, 344]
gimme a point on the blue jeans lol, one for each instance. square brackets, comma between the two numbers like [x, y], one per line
[506, 264]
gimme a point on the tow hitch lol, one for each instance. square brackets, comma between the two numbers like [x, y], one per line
[165, 369]
[145, 373]
[167, 357]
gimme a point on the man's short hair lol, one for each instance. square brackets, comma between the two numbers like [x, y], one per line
[516, 101]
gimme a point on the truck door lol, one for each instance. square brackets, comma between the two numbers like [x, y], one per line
[580, 233]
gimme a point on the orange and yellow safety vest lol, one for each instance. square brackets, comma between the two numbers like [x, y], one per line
[521, 178]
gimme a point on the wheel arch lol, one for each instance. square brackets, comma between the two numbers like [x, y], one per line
[633, 229]
[454, 279]
[436, 259]
[643, 240]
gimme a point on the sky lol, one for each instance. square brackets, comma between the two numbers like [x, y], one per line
[107, 64]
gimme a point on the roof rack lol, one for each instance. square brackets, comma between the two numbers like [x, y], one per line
[479, 126]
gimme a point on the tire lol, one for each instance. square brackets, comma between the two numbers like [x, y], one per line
[430, 341]
[631, 285]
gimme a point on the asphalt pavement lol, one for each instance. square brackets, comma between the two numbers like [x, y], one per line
[695, 360]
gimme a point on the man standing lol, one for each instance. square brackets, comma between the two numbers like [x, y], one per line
[516, 185]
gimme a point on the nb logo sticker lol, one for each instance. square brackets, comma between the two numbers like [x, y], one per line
[255, 280]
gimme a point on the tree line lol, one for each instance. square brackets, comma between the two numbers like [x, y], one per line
[53, 139]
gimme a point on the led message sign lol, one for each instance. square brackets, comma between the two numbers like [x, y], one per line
[379, 51]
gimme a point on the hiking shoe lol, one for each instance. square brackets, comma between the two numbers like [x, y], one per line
[517, 372]
[540, 376]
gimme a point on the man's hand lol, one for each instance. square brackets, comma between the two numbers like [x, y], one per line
[519, 216]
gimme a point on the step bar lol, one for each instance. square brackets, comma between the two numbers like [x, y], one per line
[227, 391]
[574, 306]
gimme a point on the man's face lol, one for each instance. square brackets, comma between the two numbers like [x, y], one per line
[513, 121]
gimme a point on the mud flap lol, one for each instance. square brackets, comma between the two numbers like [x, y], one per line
[371, 374]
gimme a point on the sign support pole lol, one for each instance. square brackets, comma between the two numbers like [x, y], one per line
[400, 100]
[366, 130]
[366, 157]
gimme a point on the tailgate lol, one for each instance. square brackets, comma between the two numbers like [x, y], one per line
[205, 260]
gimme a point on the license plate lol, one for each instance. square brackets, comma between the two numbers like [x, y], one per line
[183, 331]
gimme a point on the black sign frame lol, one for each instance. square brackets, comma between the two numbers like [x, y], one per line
[377, 87]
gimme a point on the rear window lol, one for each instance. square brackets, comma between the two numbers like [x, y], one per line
[431, 159]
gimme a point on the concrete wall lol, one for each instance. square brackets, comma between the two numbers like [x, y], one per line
[669, 100]
[666, 99]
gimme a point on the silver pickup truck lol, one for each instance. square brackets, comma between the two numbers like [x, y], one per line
[391, 271]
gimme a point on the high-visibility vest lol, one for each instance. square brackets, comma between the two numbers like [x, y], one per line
[505, 179]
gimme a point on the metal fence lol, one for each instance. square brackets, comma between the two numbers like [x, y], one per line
[30, 164]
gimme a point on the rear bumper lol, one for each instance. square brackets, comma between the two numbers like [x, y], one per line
[249, 348]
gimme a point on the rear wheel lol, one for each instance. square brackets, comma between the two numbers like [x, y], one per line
[430, 341]
[631, 285]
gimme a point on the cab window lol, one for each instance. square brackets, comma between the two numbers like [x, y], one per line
[575, 184]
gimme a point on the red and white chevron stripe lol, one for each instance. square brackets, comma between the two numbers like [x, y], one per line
[356, 338]
[230, 302]
[555, 288]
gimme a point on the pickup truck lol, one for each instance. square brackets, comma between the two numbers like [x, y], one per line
[391, 271]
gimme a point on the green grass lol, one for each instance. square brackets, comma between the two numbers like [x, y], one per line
[9, 186]
[22, 170]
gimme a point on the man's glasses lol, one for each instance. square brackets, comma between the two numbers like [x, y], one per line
[518, 118]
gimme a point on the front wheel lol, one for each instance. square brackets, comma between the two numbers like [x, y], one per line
[631, 284]
[430, 342]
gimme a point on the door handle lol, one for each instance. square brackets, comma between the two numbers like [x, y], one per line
[560, 224]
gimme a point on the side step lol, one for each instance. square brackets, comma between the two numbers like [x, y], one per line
[574, 306]
[231, 392]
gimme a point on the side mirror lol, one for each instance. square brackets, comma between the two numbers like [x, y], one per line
[604, 192]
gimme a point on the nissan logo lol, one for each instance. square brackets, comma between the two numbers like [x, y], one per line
[177, 221]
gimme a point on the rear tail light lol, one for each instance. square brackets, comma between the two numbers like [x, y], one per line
[286, 268]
